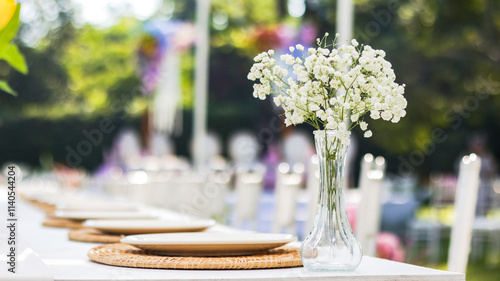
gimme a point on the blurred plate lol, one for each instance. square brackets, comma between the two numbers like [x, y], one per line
[100, 215]
[95, 206]
[148, 226]
[208, 243]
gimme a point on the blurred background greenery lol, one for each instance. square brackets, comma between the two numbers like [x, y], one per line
[446, 52]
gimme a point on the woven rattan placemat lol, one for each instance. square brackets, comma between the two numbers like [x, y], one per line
[92, 235]
[64, 223]
[46, 207]
[129, 256]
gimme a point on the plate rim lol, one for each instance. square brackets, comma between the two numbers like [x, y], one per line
[126, 239]
[88, 223]
[111, 207]
[100, 215]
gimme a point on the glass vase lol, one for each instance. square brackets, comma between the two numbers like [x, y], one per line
[331, 244]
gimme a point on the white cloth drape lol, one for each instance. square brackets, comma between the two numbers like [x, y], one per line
[168, 93]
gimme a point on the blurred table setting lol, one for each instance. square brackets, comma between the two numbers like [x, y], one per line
[171, 217]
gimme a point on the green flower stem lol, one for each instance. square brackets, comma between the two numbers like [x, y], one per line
[330, 157]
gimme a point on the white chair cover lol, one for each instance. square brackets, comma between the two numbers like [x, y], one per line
[216, 190]
[297, 147]
[168, 94]
[248, 187]
[212, 147]
[243, 149]
[161, 145]
[465, 207]
[129, 148]
[188, 197]
[368, 213]
[286, 191]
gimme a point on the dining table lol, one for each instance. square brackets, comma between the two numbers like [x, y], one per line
[46, 253]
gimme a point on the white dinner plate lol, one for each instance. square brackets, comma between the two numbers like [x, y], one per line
[148, 226]
[208, 243]
[100, 215]
[95, 206]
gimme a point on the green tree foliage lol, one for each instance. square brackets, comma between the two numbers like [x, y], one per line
[77, 77]
[100, 59]
[9, 51]
[446, 52]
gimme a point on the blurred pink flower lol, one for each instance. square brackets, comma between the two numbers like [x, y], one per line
[388, 247]
[351, 215]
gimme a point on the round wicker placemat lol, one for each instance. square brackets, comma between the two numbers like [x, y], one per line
[129, 256]
[46, 207]
[92, 235]
[64, 223]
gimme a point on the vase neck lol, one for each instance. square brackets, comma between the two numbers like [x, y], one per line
[331, 157]
[329, 146]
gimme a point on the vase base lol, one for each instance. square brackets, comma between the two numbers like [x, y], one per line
[330, 267]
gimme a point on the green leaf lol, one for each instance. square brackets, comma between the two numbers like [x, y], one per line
[15, 59]
[6, 88]
[9, 31]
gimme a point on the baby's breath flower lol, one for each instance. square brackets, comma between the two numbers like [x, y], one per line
[329, 89]
[363, 125]
[386, 115]
[354, 117]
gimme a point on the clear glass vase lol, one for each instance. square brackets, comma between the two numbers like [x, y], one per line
[331, 244]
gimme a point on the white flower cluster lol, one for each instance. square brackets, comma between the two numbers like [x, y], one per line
[333, 89]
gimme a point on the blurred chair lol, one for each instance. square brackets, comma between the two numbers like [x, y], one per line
[212, 149]
[432, 230]
[443, 190]
[486, 240]
[160, 144]
[465, 206]
[297, 147]
[485, 245]
[248, 188]
[138, 189]
[428, 232]
[117, 185]
[168, 181]
[187, 196]
[203, 194]
[216, 190]
[369, 209]
[129, 148]
[243, 149]
[396, 213]
[288, 184]
[217, 163]
[495, 195]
